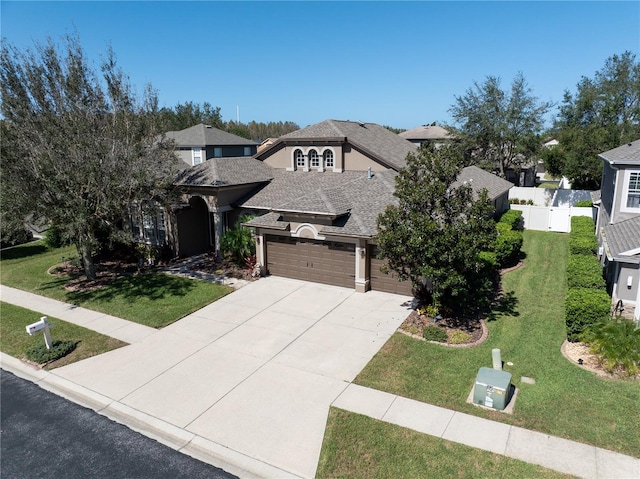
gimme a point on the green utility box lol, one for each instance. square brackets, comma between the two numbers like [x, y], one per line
[492, 388]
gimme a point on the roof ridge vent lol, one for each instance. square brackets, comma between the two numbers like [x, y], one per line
[361, 123]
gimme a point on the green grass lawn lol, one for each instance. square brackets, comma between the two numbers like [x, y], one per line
[566, 401]
[357, 446]
[15, 341]
[151, 299]
[549, 184]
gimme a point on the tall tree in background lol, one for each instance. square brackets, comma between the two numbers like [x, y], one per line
[188, 114]
[78, 145]
[603, 114]
[438, 230]
[499, 129]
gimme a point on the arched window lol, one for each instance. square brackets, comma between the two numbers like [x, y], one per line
[298, 157]
[314, 159]
[328, 158]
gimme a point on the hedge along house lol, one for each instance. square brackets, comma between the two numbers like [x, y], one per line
[319, 212]
[618, 223]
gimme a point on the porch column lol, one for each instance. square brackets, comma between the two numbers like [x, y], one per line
[362, 282]
[218, 227]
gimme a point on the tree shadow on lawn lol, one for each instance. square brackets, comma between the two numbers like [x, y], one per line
[150, 286]
[505, 305]
[23, 251]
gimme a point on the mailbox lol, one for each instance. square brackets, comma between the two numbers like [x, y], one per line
[492, 388]
[37, 326]
[42, 325]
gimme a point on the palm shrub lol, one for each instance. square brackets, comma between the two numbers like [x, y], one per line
[584, 307]
[238, 243]
[617, 342]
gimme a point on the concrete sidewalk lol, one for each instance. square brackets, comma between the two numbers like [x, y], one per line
[248, 380]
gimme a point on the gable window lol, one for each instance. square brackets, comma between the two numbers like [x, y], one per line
[633, 190]
[314, 159]
[328, 158]
[217, 152]
[196, 155]
[298, 157]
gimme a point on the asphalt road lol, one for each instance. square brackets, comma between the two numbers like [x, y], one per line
[44, 436]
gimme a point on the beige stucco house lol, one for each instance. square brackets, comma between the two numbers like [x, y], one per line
[317, 193]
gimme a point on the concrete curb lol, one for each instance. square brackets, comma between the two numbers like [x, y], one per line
[172, 436]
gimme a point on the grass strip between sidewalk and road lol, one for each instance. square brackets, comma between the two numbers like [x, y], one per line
[565, 401]
[151, 299]
[15, 341]
[357, 446]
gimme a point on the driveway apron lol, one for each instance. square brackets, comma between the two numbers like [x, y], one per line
[255, 371]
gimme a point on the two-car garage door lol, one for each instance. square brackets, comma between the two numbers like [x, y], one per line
[325, 262]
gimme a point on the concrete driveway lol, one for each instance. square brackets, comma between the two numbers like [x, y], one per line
[255, 372]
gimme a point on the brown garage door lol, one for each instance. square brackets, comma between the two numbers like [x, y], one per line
[386, 282]
[327, 262]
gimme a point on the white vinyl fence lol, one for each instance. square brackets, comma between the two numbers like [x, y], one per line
[551, 209]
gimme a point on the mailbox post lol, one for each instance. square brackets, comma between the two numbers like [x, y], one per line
[42, 325]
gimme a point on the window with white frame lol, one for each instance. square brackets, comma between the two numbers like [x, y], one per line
[633, 190]
[196, 154]
[298, 158]
[314, 159]
[328, 158]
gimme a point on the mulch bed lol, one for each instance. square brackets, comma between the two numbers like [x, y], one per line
[475, 328]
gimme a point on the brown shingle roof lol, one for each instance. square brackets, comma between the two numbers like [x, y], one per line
[205, 135]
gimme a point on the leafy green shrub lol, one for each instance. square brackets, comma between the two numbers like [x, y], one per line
[489, 259]
[238, 243]
[459, 337]
[583, 204]
[584, 307]
[40, 354]
[434, 333]
[507, 247]
[584, 271]
[582, 226]
[513, 218]
[53, 237]
[579, 244]
[617, 343]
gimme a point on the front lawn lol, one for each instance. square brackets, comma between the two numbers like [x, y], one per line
[151, 299]
[357, 446]
[15, 341]
[565, 401]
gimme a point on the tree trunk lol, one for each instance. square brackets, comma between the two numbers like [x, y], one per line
[84, 251]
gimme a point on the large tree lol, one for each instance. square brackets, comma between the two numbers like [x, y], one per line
[79, 146]
[604, 113]
[188, 114]
[436, 234]
[499, 129]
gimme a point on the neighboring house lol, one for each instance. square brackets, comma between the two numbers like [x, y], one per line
[427, 134]
[199, 143]
[319, 212]
[618, 223]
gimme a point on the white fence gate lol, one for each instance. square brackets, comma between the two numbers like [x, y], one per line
[548, 218]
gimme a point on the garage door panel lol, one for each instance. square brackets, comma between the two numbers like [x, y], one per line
[388, 282]
[311, 260]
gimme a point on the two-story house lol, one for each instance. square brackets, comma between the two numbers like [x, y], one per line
[318, 214]
[618, 224]
[317, 193]
[199, 143]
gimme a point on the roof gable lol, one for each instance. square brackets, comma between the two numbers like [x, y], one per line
[479, 179]
[374, 140]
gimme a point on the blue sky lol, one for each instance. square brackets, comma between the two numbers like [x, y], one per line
[395, 63]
